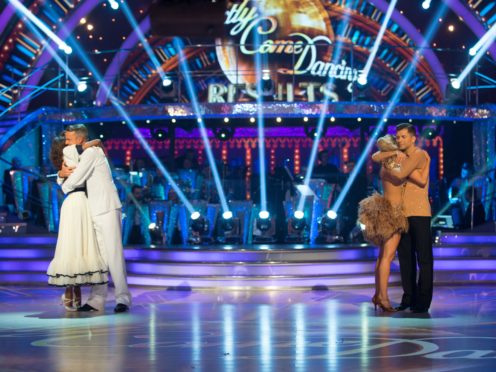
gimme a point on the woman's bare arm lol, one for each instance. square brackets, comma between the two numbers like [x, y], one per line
[380, 156]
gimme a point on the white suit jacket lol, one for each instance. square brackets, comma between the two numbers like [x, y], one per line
[94, 170]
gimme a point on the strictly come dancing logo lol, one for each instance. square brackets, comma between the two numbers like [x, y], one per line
[294, 42]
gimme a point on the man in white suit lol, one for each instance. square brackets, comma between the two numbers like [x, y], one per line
[93, 171]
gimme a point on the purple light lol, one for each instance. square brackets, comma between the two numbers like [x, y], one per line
[28, 240]
[468, 239]
[464, 265]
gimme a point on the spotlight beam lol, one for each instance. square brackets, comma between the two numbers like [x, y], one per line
[134, 24]
[322, 117]
[53, 53]
[183, 64]
[434, 25]
[489, 35]
[31, 95]
[132, 126]
[260, 121]
[27, 13]
[480, 53]
[377, 43]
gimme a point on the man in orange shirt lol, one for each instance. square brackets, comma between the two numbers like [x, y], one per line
[416, 245]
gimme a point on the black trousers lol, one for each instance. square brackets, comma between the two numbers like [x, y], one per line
[415, 248]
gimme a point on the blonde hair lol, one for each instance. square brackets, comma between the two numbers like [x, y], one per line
[387, 143]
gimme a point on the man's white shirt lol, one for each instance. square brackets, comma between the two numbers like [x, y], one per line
[94, 170]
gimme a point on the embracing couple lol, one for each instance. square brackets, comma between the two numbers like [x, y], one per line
[89, 242]
[400, 219]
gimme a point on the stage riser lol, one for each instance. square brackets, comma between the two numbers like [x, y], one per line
[192, 256]
[264, 270]
[460, 259]
[33, 279]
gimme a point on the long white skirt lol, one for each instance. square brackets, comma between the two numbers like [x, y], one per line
[77, 259]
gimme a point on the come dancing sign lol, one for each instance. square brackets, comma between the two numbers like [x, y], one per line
[295, 49]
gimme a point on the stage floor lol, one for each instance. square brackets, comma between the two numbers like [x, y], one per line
[249, 331]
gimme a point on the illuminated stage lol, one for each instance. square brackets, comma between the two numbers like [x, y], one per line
[250, 331]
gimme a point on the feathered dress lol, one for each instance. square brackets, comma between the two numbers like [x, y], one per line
[77, 260]
[381, 219]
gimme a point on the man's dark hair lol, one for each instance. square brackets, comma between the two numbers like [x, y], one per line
[135, 187]
[409, 127]
[79, 129]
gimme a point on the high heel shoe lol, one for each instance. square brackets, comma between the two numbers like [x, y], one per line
[67, 302]
[384, 305]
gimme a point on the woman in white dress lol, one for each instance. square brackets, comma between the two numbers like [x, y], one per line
[77, 260]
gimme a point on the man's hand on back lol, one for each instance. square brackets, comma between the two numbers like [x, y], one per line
[65, 171]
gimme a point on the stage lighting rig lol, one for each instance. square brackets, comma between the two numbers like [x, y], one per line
[264, 229]
[229, 230]
[329, 229]
[297, 228]
[198, 226]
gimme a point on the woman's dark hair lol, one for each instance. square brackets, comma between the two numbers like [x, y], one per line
[56, 152]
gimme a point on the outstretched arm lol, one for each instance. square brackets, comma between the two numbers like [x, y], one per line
[420, 178]
[82, 172]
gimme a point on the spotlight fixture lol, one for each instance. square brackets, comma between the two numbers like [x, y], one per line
[114, 4]
[298, 222]
[264, 228]
[229, 229]
[328, 228]
[82, 86]
[426, 4]
[198, 223]
[455, 83]
[362, 80]
[166, 82]
[263, 221]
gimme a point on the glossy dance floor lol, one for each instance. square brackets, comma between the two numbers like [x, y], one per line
[249, 331]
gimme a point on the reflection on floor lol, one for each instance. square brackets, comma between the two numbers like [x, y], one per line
[249, 331]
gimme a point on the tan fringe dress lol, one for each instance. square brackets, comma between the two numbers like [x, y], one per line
[381, 219]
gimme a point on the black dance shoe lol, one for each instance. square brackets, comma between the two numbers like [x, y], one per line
[121, 308]
[86, 308]
[401, 307]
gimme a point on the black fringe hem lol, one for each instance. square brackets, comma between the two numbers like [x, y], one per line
[77, 275]
[76, 285]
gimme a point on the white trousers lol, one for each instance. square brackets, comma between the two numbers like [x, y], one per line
[108, 229]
